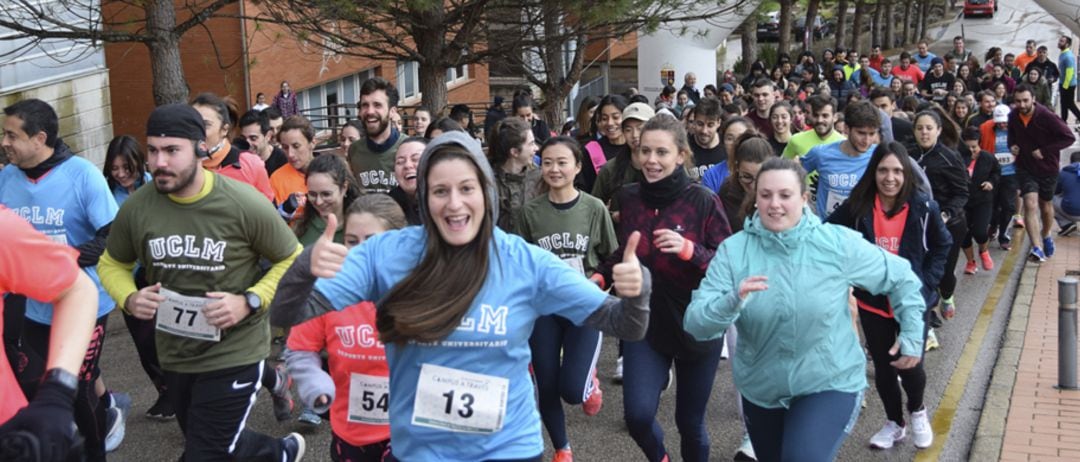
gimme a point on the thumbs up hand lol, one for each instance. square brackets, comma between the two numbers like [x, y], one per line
[327, 256]
[627, 274]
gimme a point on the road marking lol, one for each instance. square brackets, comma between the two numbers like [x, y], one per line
[950, 400]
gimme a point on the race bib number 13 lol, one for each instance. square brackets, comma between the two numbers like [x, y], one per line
[459, 401]
[183, 316]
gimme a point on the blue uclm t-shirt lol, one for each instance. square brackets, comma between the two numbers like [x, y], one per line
[68, 204]
[469, 396]
[837, 174]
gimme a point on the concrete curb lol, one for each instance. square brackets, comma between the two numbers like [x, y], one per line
[990, 434]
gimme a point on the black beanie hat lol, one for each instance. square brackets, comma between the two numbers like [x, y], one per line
[176, 120]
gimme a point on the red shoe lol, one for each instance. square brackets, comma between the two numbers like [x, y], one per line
[1018, 221]
[987, 262]
[970, 268]
[563, 455]
[592, 405]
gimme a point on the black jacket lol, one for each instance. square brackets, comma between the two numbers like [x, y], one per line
[925, 243]
[986, 169]
[948, 178]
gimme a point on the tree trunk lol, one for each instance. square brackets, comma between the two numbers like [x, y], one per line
[434, 59]
[166, 67]
[890, 31]
[784, 45]
[841, 18]
[811, 18]
[924, 12]
[906, 38]
[875, 24]
[433, 85]
[748, 35]
[857, 24]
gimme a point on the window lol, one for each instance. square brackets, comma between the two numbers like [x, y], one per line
[457, 74]
[345, 92]
[408, 79]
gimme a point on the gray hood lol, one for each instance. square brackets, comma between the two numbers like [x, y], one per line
[476, 151]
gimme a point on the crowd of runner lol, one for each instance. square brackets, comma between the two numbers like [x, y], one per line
[438, 290]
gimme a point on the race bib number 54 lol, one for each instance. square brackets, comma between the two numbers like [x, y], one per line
[459, 401]
[183, 315]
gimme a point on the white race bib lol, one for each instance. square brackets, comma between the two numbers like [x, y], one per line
[369, 399]
[459, 401]
[1005, 158]
[576, 263]
[183, 315]
[833, 201]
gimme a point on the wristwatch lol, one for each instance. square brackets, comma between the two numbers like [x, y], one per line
[253, 301]
[63, 378]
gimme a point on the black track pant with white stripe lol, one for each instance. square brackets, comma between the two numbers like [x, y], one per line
[212, 409]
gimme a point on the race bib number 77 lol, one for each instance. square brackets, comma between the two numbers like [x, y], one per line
[183, 316]
[459, 401]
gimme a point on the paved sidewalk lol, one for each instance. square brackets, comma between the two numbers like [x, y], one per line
[1042, 423]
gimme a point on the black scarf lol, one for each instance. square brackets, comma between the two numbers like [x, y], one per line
[380, 148]
[60, 154]
[662, 193]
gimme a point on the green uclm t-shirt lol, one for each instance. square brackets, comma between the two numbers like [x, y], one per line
[374, 170]
[210, 245]
[581, 235]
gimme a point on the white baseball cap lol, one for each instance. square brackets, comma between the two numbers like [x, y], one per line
[1001, 113]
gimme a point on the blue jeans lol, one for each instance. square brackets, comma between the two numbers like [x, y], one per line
[644, 373]
[811, 430]
[568, 378]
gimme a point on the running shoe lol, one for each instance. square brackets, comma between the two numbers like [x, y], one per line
[1004, 241]
[1018, 221]
[1037, 255]
[921, 432]
[670, 378]
[935, 320]
[292, 447]
[970, 267]
[1067, 229]
[310, 418]
[1048, 246]
[592, 405]
[746, 449]
[948, 308]
[617, 375]
[931, 341]
[114, 421]
[563, 455]
[282, 398]
[723, 350]
[987, 262]
[888, 436]
[162, 409]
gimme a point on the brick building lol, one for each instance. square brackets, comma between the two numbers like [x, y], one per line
[242, 58]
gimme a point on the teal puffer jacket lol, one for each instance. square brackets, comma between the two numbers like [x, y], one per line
[796, 337]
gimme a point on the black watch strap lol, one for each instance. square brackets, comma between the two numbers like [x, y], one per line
[63, 378]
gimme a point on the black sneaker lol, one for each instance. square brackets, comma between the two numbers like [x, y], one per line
[935, 321]
[293, 447]
[1067, 229]
[162, 409]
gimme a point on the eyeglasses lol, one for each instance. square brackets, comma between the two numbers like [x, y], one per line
[746, 178]
[324, 195]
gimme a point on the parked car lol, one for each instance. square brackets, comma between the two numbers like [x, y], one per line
[800, 27]
[768, 29]
[980, 7]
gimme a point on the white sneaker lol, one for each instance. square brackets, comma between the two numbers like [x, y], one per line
[723, 351]
[617, 375]
[746, 450]
[887, 436]
[921, 432]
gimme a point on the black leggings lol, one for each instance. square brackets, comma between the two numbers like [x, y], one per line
[342, 451]
[958, 229]
[1004, 206]
[978, 218]
[1068, 103]
[90, 409]
[881, 333]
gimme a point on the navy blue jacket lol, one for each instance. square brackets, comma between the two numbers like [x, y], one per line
[925, 243]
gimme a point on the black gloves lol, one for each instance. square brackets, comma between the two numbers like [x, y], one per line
[49, 419]
[290, 204]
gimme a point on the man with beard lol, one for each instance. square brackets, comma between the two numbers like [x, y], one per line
[200, 236]
[822, 117]
[1036, 137]
[705, 142]
[1042, 61]
[372, 161]
[65, 197]
[1067, 67]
